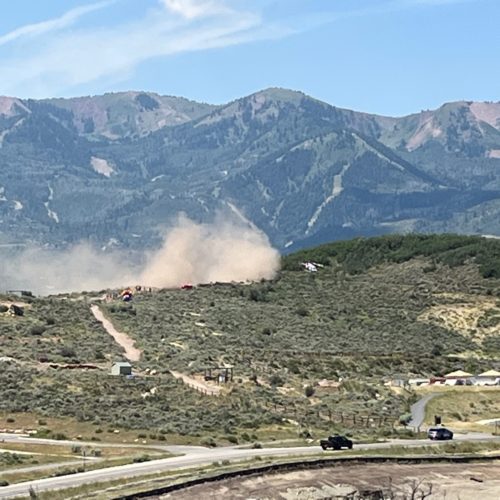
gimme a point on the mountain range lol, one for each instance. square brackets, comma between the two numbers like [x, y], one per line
[116, 169]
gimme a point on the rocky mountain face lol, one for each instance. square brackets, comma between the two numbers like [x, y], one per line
[116, 169]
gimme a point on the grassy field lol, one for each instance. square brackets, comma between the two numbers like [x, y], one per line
[465, 409]
[80, 457]
[379, 309]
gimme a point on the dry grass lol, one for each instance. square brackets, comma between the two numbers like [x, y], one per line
[463, 408]
[84, 431]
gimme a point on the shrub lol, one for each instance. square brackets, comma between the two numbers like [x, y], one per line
[405, 419]
[276, 380]
[209, 442]
[37, 330]
[257, 295]
[68, 352]
[309, 391]
[302, 311]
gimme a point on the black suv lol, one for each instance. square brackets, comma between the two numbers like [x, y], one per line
[439, 433]
[336, 442]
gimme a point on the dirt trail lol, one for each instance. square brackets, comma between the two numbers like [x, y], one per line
[197, 384]
[131, 352]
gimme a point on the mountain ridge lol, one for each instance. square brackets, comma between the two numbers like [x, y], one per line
[121, 164]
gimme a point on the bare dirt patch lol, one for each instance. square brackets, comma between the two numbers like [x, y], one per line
[450, 481]
[464, 315]
[131, 352]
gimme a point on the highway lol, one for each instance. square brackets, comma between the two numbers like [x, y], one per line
[192, 456]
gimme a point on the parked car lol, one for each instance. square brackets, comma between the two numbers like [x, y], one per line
[439, 433]
[336, 442]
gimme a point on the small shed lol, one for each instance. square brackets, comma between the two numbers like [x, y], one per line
[121, 368]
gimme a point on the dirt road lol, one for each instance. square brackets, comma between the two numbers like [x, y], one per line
[131, 352]
[197, 384]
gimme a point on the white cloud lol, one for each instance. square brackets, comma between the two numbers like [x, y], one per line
[191, 9]
[432, 3]
[58, 23]
[57, 62]
[60, 55]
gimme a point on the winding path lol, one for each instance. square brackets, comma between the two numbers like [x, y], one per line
[131, 352]
[418, 410]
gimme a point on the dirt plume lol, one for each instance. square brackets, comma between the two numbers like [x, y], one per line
[203, 253]
[223, 250]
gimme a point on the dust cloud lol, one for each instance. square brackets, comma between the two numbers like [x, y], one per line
[204, 253]
[81, 267]
[194, 253]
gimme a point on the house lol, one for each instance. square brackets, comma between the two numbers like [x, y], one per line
[458, 377]
[121, 368]
[490, 377]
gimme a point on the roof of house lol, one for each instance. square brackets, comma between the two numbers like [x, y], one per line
[490, 373]
[122, 364]
[457, 374]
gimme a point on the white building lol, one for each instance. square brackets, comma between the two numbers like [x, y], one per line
[490, 377]
[459, 377]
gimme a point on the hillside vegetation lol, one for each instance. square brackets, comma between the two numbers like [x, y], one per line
[118, 168]
[366, 316]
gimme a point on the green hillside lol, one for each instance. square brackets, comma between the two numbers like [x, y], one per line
[120, 168]
[380, 308]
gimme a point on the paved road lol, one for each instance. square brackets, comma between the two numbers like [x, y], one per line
[25, 438]
[197, 456]
[418, 410]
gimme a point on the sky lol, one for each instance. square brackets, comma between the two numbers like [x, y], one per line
[391, 57]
